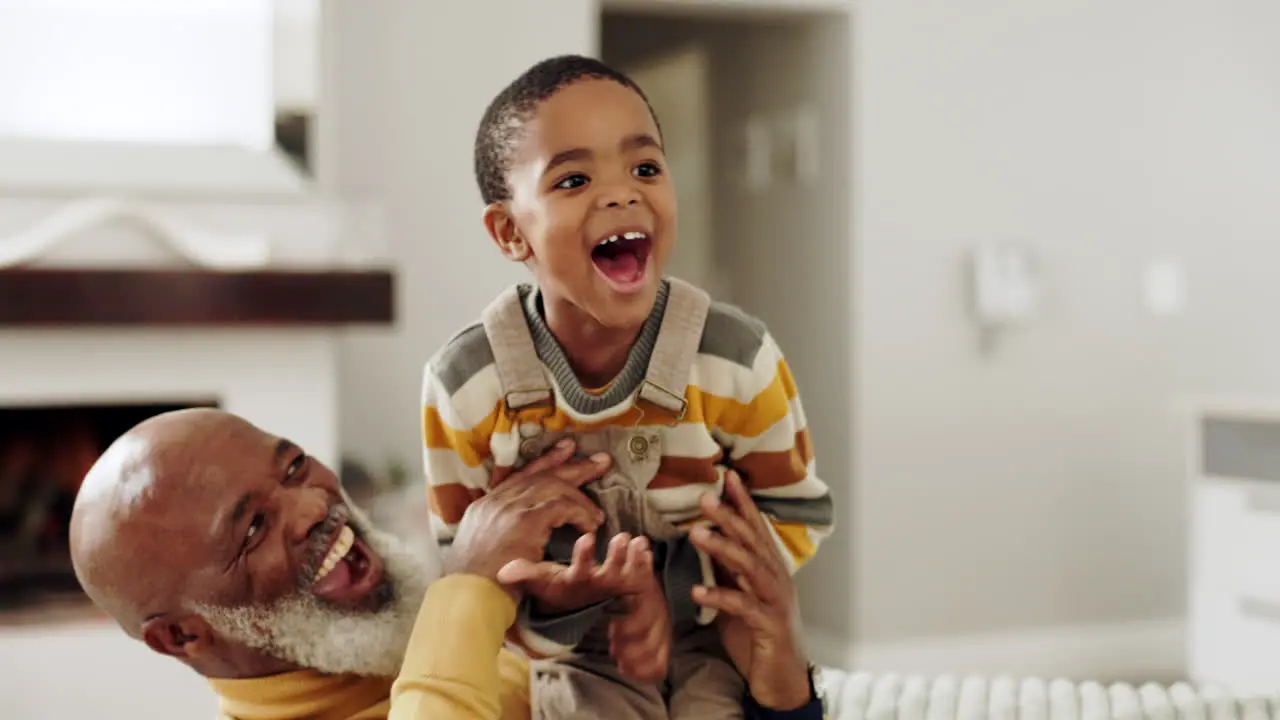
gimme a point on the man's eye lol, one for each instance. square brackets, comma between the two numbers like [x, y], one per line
[295, 467]
[255, 527]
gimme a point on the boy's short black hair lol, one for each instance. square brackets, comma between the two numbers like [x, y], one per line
[507, 114]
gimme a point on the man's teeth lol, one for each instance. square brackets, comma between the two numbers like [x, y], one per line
[341, 546]
[623, 236]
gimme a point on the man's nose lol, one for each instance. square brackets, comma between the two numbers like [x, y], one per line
[302, 510]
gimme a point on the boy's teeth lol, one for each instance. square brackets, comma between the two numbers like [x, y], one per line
[341, 546]
[627, 236]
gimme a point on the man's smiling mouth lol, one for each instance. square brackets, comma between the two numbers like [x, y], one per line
[349, 570]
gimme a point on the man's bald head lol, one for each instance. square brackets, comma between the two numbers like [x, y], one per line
[139, 491]
[206, 537]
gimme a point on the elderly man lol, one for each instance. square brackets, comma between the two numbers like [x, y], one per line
[232, 551]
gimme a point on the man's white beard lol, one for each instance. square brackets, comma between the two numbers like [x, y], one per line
[305, 631]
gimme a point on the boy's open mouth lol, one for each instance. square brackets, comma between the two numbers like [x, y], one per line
[623, 258]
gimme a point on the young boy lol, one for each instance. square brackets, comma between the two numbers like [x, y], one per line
[674, 388]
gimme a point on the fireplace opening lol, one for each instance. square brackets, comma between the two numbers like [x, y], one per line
[45, 452]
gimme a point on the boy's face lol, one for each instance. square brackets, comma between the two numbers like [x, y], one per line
[592, 209]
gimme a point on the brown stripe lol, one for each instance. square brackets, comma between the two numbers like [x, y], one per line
[804, 446]
[764, 470]
[450, 501]
[676, 472]
[500, 473]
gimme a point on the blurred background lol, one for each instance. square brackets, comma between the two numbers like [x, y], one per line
[1021, 255]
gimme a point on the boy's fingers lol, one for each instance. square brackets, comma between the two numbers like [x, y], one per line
[584, 558]
[616, 556]
[639, 558]
[746, 506]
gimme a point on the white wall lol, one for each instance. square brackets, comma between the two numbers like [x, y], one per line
[1044, 486]
[410, 81]
[784, 248]
[1038, 487]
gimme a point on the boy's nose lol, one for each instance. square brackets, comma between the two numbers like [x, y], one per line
[619, 197]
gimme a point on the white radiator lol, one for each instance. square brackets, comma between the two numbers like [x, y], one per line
[862, 696]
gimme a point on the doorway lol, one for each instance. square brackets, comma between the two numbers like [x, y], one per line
[755, 113]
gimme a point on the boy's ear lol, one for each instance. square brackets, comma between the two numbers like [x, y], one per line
[502, 228]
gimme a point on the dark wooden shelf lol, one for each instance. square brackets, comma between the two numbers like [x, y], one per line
[66, 297]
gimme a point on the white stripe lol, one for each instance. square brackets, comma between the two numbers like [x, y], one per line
[541, 645]
[476, 399]
[727, 379]
[817, 535]
[446, 466]
[505, 448]
[469, 406]
[675, 503]
[686, 440]
[442, 530]
[689, 440]
[810, 488]
[685, 517]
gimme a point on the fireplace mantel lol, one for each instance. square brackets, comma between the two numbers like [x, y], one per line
[114, 297]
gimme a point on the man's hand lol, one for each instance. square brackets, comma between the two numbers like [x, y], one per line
[758, 619]
[640, 639]
[515, 520]
[627, 570]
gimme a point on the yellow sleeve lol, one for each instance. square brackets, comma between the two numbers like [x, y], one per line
[455, 666]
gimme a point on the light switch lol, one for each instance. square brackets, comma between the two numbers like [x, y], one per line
[1005, 284]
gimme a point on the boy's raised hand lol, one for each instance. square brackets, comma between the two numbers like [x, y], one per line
[627, 570]
[640, 639]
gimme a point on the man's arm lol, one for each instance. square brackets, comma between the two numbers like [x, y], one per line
[452, 667]
[462, 413]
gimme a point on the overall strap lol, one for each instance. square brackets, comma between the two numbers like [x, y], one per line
[676, 348]
[524, 384]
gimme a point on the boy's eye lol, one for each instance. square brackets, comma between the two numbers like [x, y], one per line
[571, 182]
[648, 170]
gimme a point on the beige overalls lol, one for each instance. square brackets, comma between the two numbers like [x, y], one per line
[701, 682]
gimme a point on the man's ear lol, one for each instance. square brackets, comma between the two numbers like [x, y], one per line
[502, 228]
[182, 636]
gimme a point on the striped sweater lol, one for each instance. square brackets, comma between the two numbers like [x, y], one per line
[744, 413]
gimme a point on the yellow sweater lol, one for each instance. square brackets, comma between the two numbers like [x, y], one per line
[455, 667]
